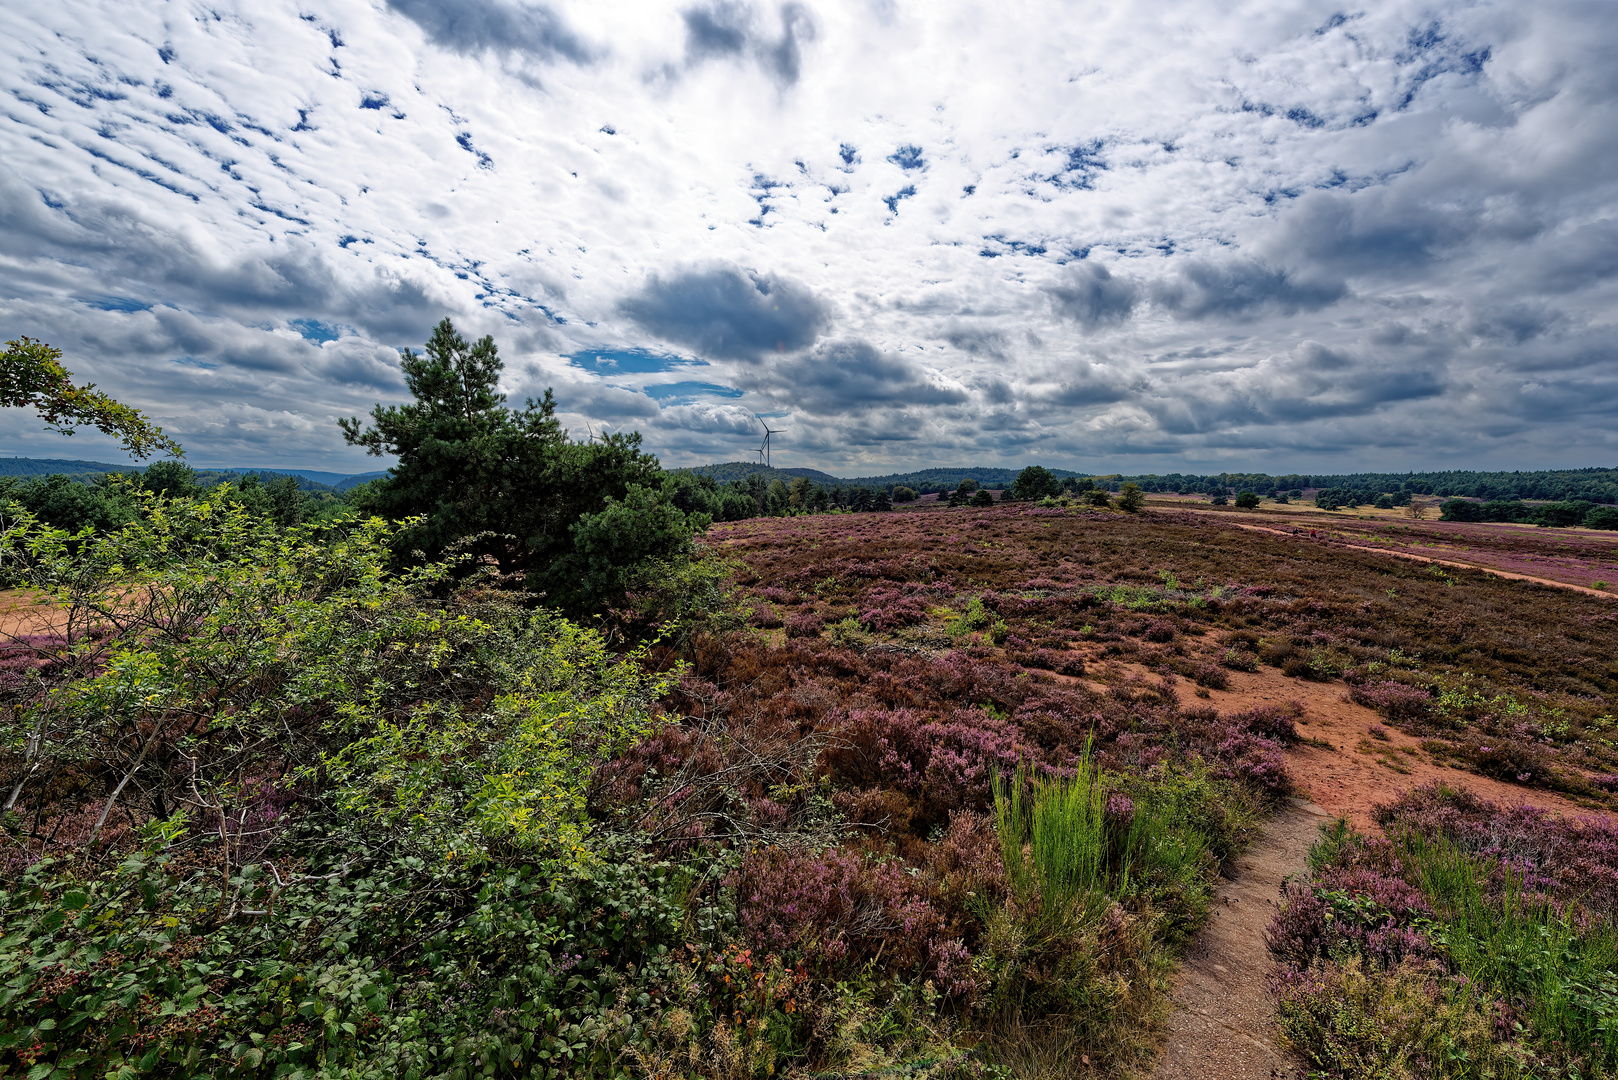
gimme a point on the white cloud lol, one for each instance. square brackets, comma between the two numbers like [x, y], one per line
[1148, 235]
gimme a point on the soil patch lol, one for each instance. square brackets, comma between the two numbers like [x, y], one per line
[1364, 769]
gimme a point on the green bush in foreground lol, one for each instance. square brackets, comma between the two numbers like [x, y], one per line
[287, 812]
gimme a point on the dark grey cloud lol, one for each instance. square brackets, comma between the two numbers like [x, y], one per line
[727, 29]
[720, 29]
[477, 26]
[1091, 296]
[1386, 230]
[979, 341]
[132, 255]
[1308, 384]
[1242, 287]
[724, 312]
[846, 378]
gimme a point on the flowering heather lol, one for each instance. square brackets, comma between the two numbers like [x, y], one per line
[1490, 922]
[804, 624]
[838, 910]
[1401, 704]
[1570, 859]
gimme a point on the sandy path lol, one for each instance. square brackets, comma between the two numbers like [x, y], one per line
[1223, 1026]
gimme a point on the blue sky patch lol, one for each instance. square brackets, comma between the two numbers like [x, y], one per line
[314, 330]
[630, 362]
[117, 303]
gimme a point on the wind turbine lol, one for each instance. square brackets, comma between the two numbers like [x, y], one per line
[768, 431]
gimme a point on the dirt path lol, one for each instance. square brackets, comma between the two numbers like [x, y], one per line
[1292, 532]
[1223, 1025]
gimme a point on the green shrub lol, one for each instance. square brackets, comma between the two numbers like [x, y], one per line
[976, 617]
[1247, 500]
[1602, 517]
[307, 813]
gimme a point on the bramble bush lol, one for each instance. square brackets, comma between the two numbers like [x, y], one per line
[289, 811]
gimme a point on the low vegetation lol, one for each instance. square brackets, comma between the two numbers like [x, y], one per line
[1474, 940]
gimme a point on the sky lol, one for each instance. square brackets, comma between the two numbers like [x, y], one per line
[1145, 237]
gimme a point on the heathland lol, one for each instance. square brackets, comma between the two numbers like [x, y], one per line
[515, 763]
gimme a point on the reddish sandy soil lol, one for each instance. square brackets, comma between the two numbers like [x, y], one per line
[21, 613]
[1350, 780]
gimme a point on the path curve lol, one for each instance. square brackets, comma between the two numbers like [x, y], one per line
[1223, 1024]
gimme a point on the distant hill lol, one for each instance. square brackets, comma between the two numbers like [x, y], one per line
[309, 479]
[727, 471]
[357, 479]
[22, 466]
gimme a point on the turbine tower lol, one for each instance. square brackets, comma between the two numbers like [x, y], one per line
[765, 449]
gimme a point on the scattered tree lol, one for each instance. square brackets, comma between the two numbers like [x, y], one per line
[1034, 483]
[1247, 500]
[903, 494]
[509, 487]
[1131, 498]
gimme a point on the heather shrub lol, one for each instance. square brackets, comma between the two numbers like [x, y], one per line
[765, 617]
[1238, 659]
[1253, 760]
[1410, 1023]
[1277, 722]
[889, 609]
[1508, 914]
[1401, 704]
[1159, 630]
[804, 625]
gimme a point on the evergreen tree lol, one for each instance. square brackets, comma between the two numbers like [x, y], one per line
[509, 486]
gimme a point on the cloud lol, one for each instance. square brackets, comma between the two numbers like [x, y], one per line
[1304, 385]
[1240, 287]
[1105, 244]
[725, 312]
[475, 26]
[1089, 295]
[845, 378]
[729, 29]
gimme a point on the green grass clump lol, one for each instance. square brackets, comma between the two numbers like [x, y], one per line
[1561, 978]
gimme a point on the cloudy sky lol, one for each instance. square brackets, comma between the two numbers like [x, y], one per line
[1139, 237]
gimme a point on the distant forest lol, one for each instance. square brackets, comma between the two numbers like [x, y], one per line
[1592, 485]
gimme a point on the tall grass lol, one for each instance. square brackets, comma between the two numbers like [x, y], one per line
[1559, 975]
[1059, 846]
[1053, 837]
